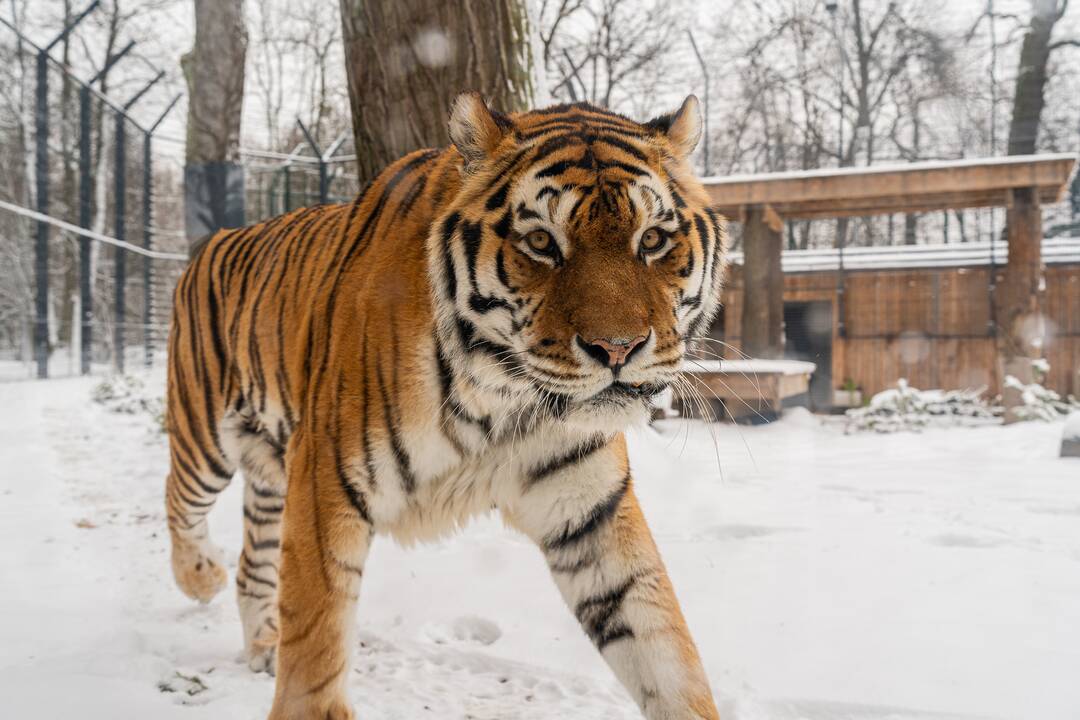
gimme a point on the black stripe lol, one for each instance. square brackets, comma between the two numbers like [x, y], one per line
[449, 226]
[595, 519]
[597, 615]
[256, 520]
[498, 198]
[500, 270]
[502, 228]
[576, 455]
[401, 456]
[269, 544]
[484, 304]
[622, 145]
[471, 235]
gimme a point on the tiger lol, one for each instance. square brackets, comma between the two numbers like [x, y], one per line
[472, 334]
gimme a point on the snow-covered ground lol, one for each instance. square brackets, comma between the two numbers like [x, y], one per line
[825, 577]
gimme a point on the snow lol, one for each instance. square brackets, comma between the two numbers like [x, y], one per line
[825, 577]
[1055, 251]
[905, 408]
[888, 168]
[754, 365]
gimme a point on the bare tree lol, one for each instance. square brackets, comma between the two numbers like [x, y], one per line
[408, 59]
[1029, 98]
[613, 52]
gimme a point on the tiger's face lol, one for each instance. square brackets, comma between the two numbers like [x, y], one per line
[579, 256]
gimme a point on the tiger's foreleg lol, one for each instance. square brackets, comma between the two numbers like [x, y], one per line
[324, 545]
[192, 486]
[590, 528]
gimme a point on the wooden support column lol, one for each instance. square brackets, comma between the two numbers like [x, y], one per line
[763, 284]
[1018, 298]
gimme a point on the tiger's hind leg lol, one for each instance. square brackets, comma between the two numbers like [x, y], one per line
[262, 465]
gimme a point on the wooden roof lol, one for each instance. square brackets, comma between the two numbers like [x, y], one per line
[886, 189]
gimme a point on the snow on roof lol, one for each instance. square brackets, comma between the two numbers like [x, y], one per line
[749, 367]
[1054, 251]
[888, 168]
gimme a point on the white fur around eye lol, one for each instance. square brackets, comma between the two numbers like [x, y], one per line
[554, 221]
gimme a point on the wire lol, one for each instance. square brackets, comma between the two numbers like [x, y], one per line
[27, 212]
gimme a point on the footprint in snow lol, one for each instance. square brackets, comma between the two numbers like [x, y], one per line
[963, 541]
[468, 630]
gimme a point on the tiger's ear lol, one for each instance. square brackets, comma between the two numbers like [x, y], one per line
[475, 130]
[682, 128]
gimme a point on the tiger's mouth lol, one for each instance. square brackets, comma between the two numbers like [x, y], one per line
[623, 392]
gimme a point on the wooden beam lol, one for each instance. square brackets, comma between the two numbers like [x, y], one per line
[856, 207]
[1018, 298]
[763, 287]
[914, 187]
[773, 219]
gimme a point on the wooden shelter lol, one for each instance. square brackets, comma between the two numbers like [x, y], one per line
[971, 317]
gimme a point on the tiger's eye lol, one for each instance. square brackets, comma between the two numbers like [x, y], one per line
[651, 240]
[541, 241]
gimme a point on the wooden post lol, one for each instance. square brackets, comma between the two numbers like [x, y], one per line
[1018, 297]
[763, 284]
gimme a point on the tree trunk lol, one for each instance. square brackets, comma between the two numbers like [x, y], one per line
[763, 288]
[408, 59]
[1031, 78]
[214, 70]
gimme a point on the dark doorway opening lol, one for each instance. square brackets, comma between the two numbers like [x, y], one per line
[808, 336]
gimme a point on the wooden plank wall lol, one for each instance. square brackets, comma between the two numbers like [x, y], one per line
[930, 326]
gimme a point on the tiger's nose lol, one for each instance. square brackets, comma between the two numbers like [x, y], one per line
[611, 352]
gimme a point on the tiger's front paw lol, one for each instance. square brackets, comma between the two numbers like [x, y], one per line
[199, 570]
[336, 710]
[262, 657]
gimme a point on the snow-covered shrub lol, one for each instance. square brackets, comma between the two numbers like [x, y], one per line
[1040, 403]
[129, 394]
[908, 408]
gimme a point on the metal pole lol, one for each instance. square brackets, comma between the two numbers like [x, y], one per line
[148, 243]
[86, 303]
[41, 247]
[86, 306]
[119, 298]
[833, 8]
[41, 171]
[71, 26]
[323, 184]
[705, 73]
[288, 190]
[148, 233]
[991, 285]
[120, 175]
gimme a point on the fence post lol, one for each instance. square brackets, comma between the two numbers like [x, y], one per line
[119, 312]
[41, 247]
[86, 303]
[41, 171]
[148, 233]
[324, 186]
[288, 191]
[120, 298]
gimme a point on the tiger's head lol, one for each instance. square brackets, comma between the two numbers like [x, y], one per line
[578, 258]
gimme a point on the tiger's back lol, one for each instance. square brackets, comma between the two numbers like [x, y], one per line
[253, 323]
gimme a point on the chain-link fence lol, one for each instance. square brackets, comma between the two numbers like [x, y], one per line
[276, 183]
[91, 235]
